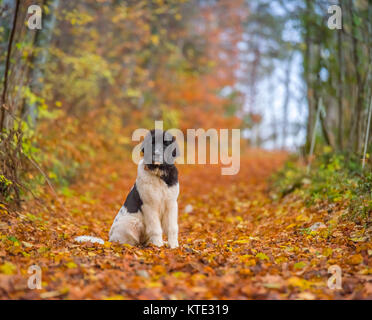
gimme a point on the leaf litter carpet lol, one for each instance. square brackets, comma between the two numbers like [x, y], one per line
[235, 241]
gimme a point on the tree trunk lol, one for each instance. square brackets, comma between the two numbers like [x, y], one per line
[3, 106]
[340, 90]
[6, 9]
[42, 42]
[354, 138]
[317, 98]
[307, 71]
[287, 94]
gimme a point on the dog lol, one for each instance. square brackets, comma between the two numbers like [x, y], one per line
[151, 209]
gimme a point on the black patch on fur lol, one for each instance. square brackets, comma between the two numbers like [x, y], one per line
[169, 173]
[133, 202]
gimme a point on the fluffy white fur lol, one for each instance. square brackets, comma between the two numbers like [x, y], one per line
[158, 215]
[89, 239]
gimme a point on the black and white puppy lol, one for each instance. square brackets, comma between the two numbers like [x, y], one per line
[151, 208]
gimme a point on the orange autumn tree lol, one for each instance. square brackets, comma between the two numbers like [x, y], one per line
[197, 94]
[128, 64]
[115, 66]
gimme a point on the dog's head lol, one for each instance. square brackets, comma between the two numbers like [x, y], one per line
[159, 148]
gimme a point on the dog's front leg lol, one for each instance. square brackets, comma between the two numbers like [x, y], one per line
[152, 226]
[172, 224]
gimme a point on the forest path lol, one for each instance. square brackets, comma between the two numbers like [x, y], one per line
[235, 244]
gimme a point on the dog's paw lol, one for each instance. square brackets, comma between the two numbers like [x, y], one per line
[157, 242]
[173, 244]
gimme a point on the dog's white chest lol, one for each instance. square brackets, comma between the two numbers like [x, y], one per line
[154, 191]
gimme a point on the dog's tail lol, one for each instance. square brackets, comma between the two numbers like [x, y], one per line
[89, 239]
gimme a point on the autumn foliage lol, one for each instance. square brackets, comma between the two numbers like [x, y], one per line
[100, 69]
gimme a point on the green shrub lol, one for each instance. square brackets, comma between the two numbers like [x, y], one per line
[333, 178]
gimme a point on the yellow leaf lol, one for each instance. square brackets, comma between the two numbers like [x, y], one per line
[155, 39]
[366, 271]
[291, 226]
[43, 249]
[71, 265]
[302, 218]
[327, 252]
[179, 274]
[154, 284]
[241, 241]
[8, 268]
[300, 265]
[280, 260]
[298, 282]
[262, 256]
